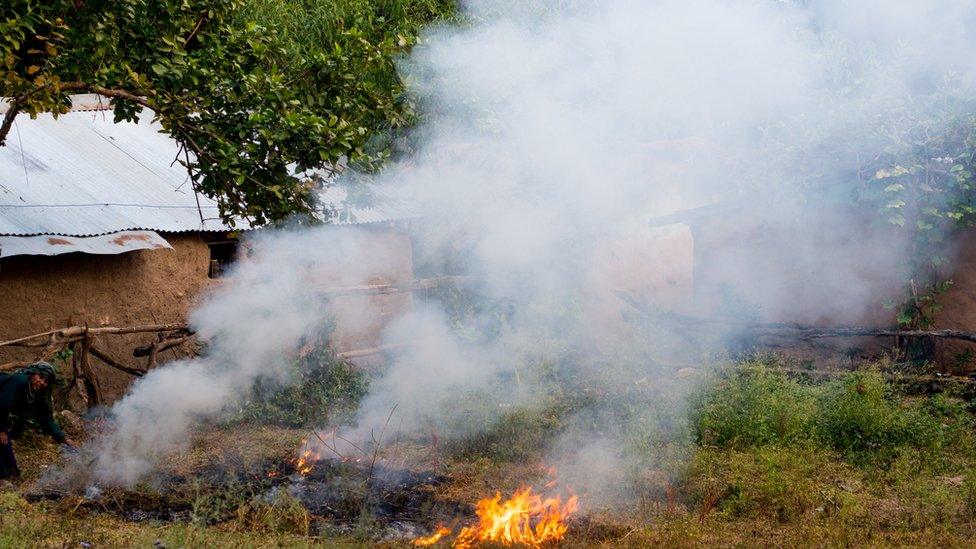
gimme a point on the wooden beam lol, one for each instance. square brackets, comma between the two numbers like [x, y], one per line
[346, 355]
[75, 333]
[412, 286]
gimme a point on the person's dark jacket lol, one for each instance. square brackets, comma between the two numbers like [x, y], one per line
[18, 399]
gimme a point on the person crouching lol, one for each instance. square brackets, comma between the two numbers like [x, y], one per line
[26, 396]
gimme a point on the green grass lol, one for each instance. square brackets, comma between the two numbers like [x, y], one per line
[859, 415]
[744, 456]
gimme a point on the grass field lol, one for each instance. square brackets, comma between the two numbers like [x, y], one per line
[759, 458]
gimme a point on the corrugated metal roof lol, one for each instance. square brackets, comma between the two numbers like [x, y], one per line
[372, 204]
[84, 175]
[115, 243]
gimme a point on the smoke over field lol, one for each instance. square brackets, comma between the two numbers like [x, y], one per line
[552, 132]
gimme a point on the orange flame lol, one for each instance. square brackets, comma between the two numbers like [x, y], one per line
[304, 462]
[427, 541]
[524, 518]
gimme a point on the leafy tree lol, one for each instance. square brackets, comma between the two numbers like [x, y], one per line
[248, 90]
[923, 184]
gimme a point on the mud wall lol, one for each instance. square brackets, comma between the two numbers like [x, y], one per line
[808, 270]
[959, 308]
[40, 293]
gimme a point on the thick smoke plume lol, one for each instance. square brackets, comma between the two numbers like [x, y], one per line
[555, 134]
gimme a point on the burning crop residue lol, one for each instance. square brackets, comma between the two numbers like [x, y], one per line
[526, 518]
[304, 463]
[427, 541]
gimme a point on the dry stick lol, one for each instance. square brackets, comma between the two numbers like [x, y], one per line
[109, 361]
[351, 443]
[78, 378]
[889, 376]
[334, 449]
[28, 345]
[28, 338]
[412, 286]
[812, 332]
[164, 345]
[139, 329]
[346, 355]
[376, 444]
[151, 360]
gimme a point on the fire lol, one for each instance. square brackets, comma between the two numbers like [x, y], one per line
[427, 541]
[525, 518]
[304, 462]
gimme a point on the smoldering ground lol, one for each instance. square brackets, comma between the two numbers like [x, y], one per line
[552, 132]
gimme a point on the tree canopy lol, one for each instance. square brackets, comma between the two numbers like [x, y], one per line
[254, 91]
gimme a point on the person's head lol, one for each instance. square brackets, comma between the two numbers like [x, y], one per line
[41, 375]
[38, 382]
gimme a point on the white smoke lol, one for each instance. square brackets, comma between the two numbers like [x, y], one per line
[254, 324]
[555, 130]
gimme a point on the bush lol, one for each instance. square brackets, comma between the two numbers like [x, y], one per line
[324, 391]
[864, 419]
[859, 415]
[754, 405]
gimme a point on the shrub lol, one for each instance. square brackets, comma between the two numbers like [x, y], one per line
[753, 406]
[323, 391]
[859, 415]
[864, 419]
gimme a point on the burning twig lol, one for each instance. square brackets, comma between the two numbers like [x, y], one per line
[427, 541]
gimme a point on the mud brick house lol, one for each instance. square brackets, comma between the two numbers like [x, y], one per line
[99, 226]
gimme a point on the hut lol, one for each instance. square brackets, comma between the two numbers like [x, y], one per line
[100, 227]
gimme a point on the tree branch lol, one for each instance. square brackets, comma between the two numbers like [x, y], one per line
[15, 105]
[8, 120]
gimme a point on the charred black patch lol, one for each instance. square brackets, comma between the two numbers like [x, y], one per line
[338, 495]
